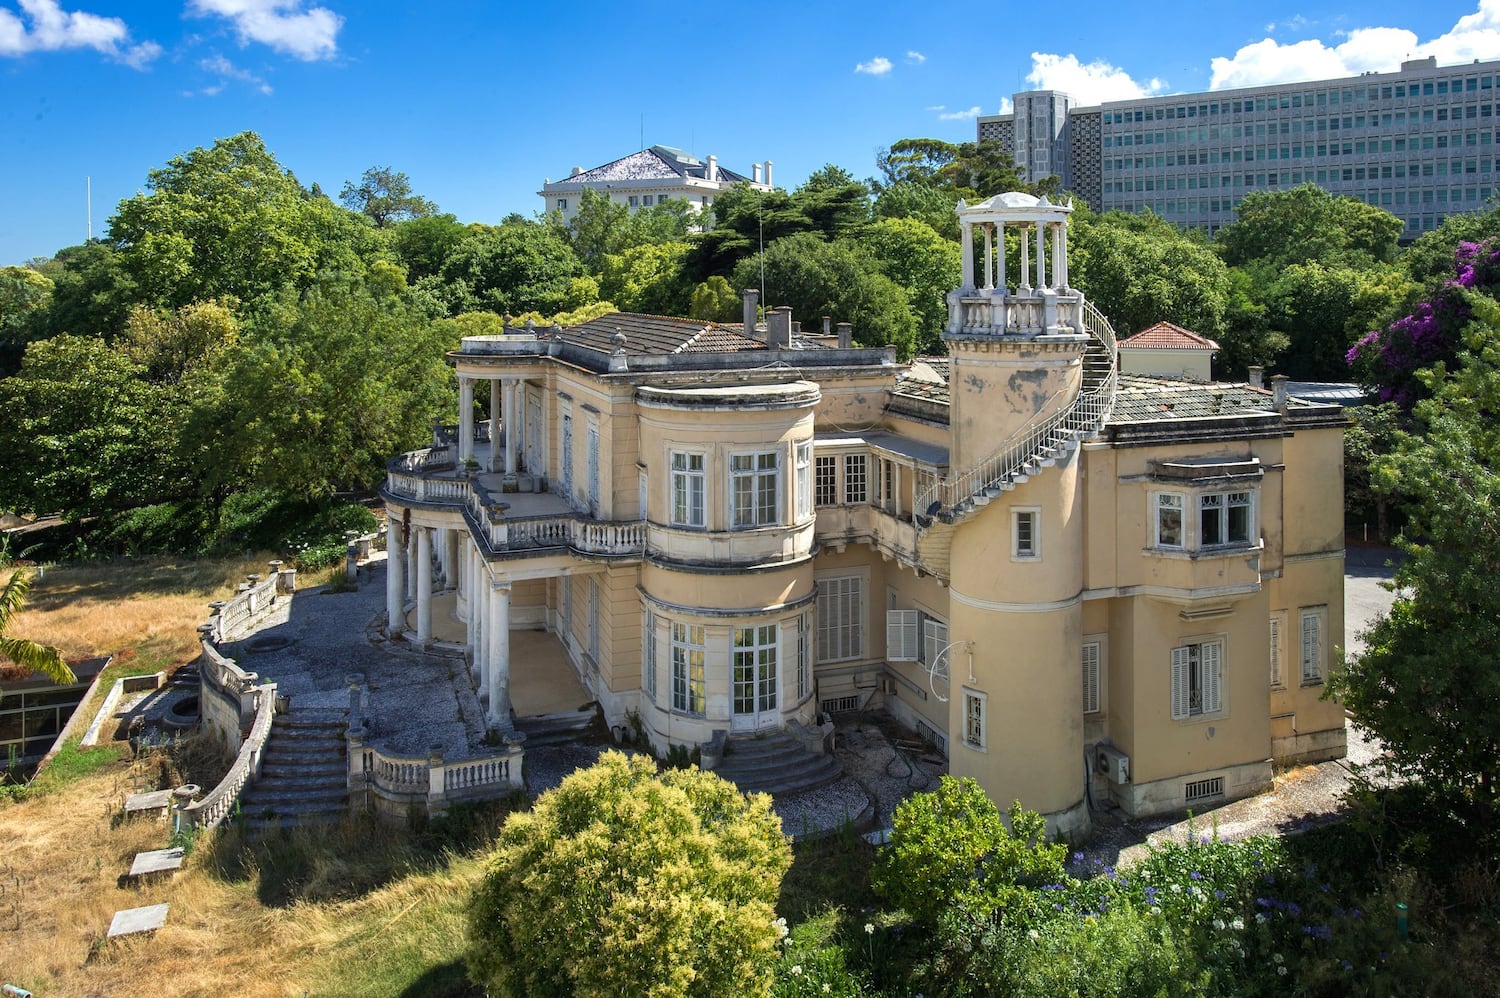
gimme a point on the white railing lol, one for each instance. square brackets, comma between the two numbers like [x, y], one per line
[425, 489]
[222, 673]
[256, 597]
[1083, 416]
[986, 311]
[435, 458]
[428, 779]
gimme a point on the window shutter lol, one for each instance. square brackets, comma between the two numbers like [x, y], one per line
[1275, 651]
[1210, 679]
[901, 636]
[1091, 678]
[1311, 646]
[1181, 680]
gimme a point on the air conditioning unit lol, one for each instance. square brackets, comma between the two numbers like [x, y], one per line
[1112, 764]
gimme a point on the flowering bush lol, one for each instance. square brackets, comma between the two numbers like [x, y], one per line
[1389, 359]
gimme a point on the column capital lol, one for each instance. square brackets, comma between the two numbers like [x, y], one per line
[500, 586]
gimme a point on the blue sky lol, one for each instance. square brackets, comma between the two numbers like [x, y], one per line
[479, 102]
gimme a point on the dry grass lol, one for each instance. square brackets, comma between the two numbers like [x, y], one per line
[146, 608]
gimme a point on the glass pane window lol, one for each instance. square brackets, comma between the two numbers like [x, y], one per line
[754, 487]
[687, 668]
[856, 479]
[687, 489]
[1169, 520]
[827, 480]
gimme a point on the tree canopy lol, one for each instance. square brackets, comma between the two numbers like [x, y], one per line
[384, 196]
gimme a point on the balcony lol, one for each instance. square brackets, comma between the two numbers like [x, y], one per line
[892, 535]
[506, 524]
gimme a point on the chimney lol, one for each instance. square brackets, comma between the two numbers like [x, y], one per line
[779, 327]
[755, 174]
[846, 335]
[768, 173]
[576, 171]
[1257, 376]
[827, 325]
[752, 299]
[1278, 391]
[713, 169]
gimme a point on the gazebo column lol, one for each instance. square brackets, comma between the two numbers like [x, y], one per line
[450, 559]
[989, 257]
[1001, 280]
[1025, 286]
[465, 418]
[411, 562]
[1041, 255]
[479, 599]
[424, 584]
[966, 252]
[499, 679]
[1060, 255]
[495, 464]
[395, 586]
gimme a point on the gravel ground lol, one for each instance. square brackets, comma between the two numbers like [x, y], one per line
[416, 700]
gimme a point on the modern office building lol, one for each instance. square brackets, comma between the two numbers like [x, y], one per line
[1422, 143]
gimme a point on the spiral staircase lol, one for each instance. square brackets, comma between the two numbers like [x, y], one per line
[1040, 444]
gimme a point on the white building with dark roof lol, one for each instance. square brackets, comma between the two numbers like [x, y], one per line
[650, 177]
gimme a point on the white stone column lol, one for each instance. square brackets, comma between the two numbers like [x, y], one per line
[479, 599]
[494, 425]
[1025, 285]
[499, 684]
[512, 425]
[989, 256]
[966, 252]
[424, 584]
[1061, 266]
[411, 563]
[1001, 281]
[465, 418]
[1041, 256]
[450, 559]
[395, 586]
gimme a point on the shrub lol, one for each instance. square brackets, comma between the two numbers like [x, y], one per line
[950, 848]
[625, 882]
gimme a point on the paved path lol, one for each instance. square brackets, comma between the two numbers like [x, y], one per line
[416, 701]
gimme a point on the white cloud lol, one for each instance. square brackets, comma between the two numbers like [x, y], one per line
[1374, 49]
[1007, 106]
[281, 24]
[53, 29]
[1087, 83]
[914, 57]
[972, 112]
[1294, 23]
[877, 66]
[226, 71]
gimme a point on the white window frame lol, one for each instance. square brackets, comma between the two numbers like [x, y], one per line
[1031, 517]
[802, 461]
[689, 645]
[856, 479]
[826, 479]
[760, 645]
[1092, 661]
[841, 618]
[975, 720]
[756, 477]
[902, 635]
[934, 639]
[595, 487]
[1223, 503]
[1197, 666]
[1276, 651]
[689, 483]
[804, 657]
[1313, 625]
[1163, 503]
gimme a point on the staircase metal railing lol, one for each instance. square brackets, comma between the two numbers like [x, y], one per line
[1083, 416]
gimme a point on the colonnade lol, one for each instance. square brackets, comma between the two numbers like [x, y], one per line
[506, 398]
[409, 578]
[1045, 233]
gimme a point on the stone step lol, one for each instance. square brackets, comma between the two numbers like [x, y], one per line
[305, 750]
[302, 766]
[735, 768]
[315, 780]
[312, 717]
[774, 745]
[264, 797]
[803, 773]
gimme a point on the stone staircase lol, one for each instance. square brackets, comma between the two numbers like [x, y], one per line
[775, 764]
[303, 773]
[565, 728]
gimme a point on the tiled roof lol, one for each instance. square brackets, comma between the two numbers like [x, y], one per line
[926, 379]
[656, 163]
[656, 334]
[1168, 336]
[1142, 399]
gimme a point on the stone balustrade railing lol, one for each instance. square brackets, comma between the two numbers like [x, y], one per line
[394, 781]
[221, 801]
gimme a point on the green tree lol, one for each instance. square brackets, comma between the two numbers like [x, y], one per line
[424, 244]
[1281, 228]
[28, 656]
[817, 278]
[623, 882]
[647, 278]
[1324, 310]
[518, 266]
[86, 433]
[715, 301]
[930, 205]
[1429, 259]
[1426, 684]
[384, 196]
[950, 849]
[25, 295]
[970, 169]
[92, 294]
[910, 253]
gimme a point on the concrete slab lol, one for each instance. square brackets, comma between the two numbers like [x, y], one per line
[156, 861]
[132, 921]
[156, 800]
[542, 680]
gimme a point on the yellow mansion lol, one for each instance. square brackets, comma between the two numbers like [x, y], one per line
[1078, 584]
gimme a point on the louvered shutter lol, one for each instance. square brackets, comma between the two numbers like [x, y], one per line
[1181, 682]
[901, 635]
[1091, 678]
[1210, 679]
[1275, 651]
